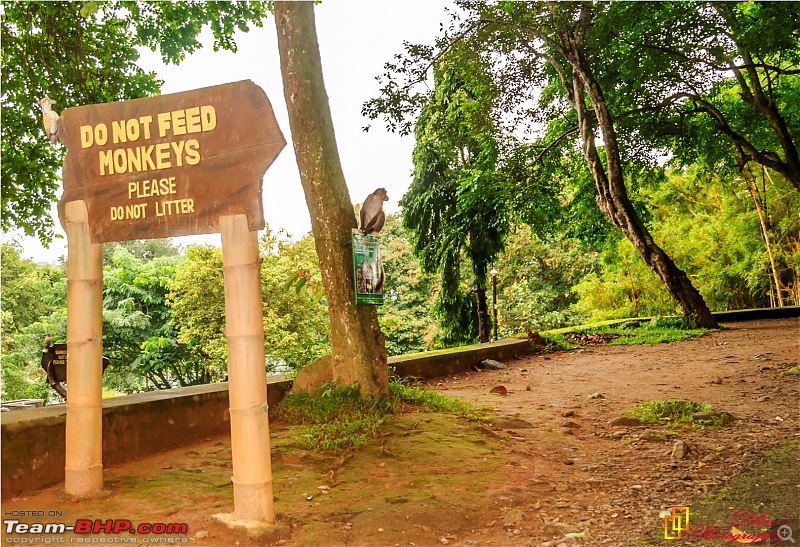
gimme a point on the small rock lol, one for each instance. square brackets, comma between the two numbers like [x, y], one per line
[625, 421]
[569, 462]
[569, 413]
[491, 364]
[511, 422]
[652, 435]
[596, 395]
[679, 450]
[500, 390]
[513, 517]
[313, 375]
[201, 534]
[558, 528]
[528, 387]
[571, 425]
[718, 381]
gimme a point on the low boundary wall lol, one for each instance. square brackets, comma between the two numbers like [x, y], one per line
[134, 426]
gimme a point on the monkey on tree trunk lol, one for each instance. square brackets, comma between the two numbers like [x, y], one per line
[372, 215]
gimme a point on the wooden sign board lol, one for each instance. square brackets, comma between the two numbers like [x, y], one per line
[170, 165]
[56, 356]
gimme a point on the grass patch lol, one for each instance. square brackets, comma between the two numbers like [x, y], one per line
[655, 331]
[407, 392]
[634, 331]
[337, 419]
[794, 371]
[672, 413]
[557, 342]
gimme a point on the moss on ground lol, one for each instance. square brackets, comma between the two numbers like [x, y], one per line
[769, 490]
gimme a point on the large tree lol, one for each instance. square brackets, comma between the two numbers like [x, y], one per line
[455, 207]
[547, 62]
[358, 352]
[733, 65]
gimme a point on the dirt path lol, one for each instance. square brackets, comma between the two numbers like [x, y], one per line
[529, 478]
[606, 480]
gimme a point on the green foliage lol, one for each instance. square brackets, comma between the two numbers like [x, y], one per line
[721, 105]
[338, 419]
[709, 225]
[410, 294]
[142, 249]
[296, 321]
[30, 290]
[655, 331]
[196, 300]
[672, 413]
[455, 208]
[623, 287]
[138, 336]
[32, 301]
[556, 341]
[675, 78]
[794, 371]
[536, 279]
[21, 358]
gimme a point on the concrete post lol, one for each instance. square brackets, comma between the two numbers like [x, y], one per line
[83, 473]
[247, 378]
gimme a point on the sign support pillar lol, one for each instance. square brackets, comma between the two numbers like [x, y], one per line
[247, 377]
[83, 472]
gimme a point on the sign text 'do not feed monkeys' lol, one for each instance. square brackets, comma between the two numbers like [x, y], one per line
[170, 165]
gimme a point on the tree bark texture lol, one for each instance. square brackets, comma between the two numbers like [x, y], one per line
[357, 345]
[612, 194]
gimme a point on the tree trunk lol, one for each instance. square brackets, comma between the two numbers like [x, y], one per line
[357, 345]
[749, 181]
[612, 195]
[483, 315]
[753, 93]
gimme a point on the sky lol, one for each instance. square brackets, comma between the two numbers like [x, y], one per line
[356, 38]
